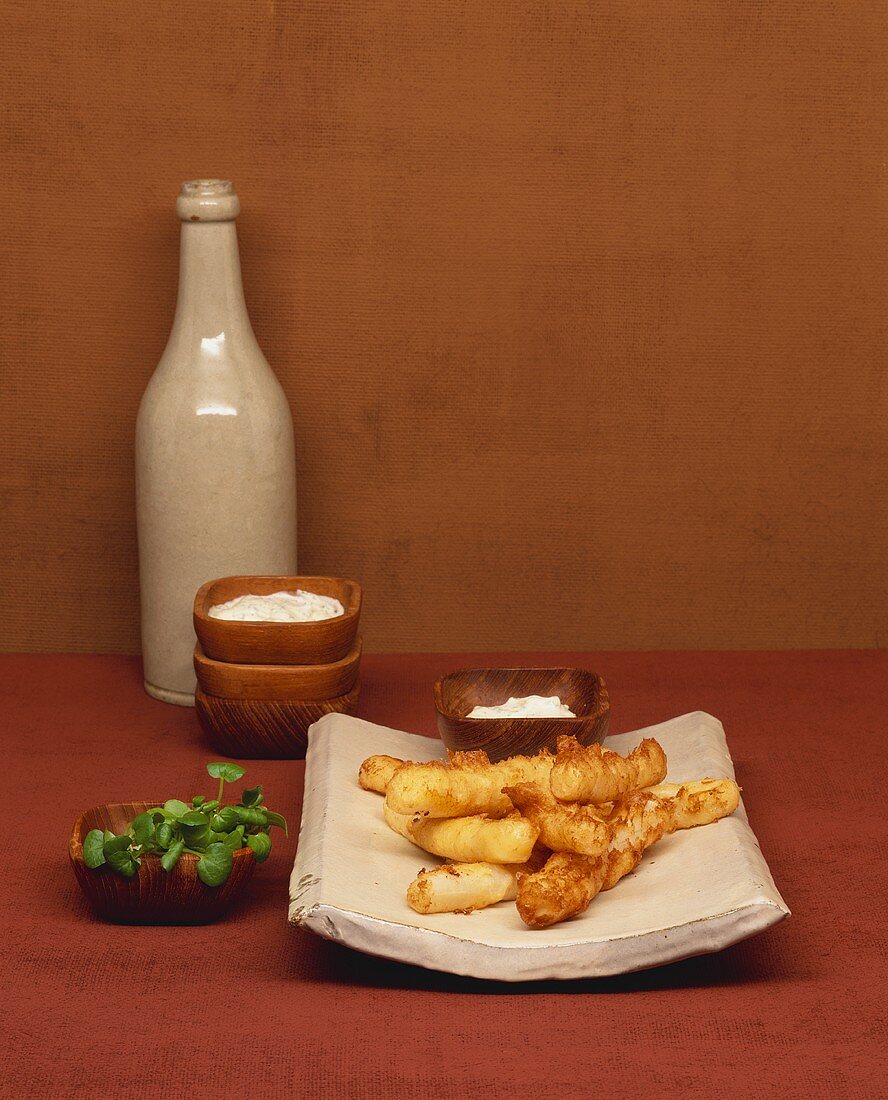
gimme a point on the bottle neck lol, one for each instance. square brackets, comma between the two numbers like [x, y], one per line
[211, 296]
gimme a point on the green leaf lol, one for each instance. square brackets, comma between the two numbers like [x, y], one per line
[198, 801]
[252, 815]
[206, 807]
[234, 839]
[143, 829]
[260, 845]
[195, 829]
[116, 844]
[277, 819]
[164, 834]
[171, 857]
[226, 819]
[123, 862]
[252, 797]
[93, 845]
[214, 866]
[222, 770]
[194, 818]
[176, 808]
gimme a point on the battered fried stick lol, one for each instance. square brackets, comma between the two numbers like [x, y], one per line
[475, 839]
[563, 826]
[468, 784]
[464, 887]
[699, 802]
[461, 887]
[589, 773]
[376, 772]
[568, 882]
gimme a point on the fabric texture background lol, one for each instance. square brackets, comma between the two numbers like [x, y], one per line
[91, 1009]
[579, 306]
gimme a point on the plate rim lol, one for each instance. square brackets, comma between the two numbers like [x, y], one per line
[321, 917]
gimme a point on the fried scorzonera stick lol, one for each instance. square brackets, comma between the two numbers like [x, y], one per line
[568, 882]
[468, 784]
[586, 830]
[376, 772]
[474, 839]
[462, 887]
[563, 826]
[459, 887]
[589, 773]
[698, 802]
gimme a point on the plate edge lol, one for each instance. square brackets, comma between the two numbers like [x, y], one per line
[558, 962]
[305, 878]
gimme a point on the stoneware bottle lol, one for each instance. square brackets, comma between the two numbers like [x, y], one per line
[215, 466]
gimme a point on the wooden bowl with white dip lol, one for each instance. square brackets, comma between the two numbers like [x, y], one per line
[547, 692]
[242, 636]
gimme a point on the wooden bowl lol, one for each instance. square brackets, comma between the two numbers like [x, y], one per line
[458, 692]
[152, 896]
[263, 643]
[263, 728]
[277, 683]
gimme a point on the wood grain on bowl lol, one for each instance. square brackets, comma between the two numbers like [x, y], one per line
[459, 692]
[265, 728]
[313, 643]
[291, 683]
[152, 896]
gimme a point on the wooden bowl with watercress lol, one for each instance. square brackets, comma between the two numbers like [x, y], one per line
[172, 862]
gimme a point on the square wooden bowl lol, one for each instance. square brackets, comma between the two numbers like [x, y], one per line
[459, 692]
[269, 643]
[152, 895]
[291, 683]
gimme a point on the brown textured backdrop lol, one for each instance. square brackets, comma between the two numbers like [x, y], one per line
[579, 306]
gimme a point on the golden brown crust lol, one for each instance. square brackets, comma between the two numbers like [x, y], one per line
[476, 838]
[590, 773]
[478, 758]
[563, 826]
[376, 772]
[698, 802]
[441, 790]
[567, 884]
[563, 888]
[462, 887]
[467, 784]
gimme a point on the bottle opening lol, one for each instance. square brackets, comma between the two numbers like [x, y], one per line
[207, 187]
[207, 200]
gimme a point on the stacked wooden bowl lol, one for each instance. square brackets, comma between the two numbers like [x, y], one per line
[260, 685]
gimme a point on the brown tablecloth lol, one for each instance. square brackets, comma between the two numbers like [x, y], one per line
[253, 1007]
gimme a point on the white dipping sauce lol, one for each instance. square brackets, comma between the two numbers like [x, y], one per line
[529, 706]
[279, 607]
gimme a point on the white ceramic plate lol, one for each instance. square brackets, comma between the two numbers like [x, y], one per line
[696, 891]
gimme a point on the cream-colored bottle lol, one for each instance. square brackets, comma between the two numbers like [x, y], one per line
[215, 465]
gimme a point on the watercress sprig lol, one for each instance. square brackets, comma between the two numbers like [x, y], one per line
[205, 828]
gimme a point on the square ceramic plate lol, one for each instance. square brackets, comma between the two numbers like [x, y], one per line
[696, 891]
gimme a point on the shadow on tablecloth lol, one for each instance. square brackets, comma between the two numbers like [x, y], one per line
[764, 959]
